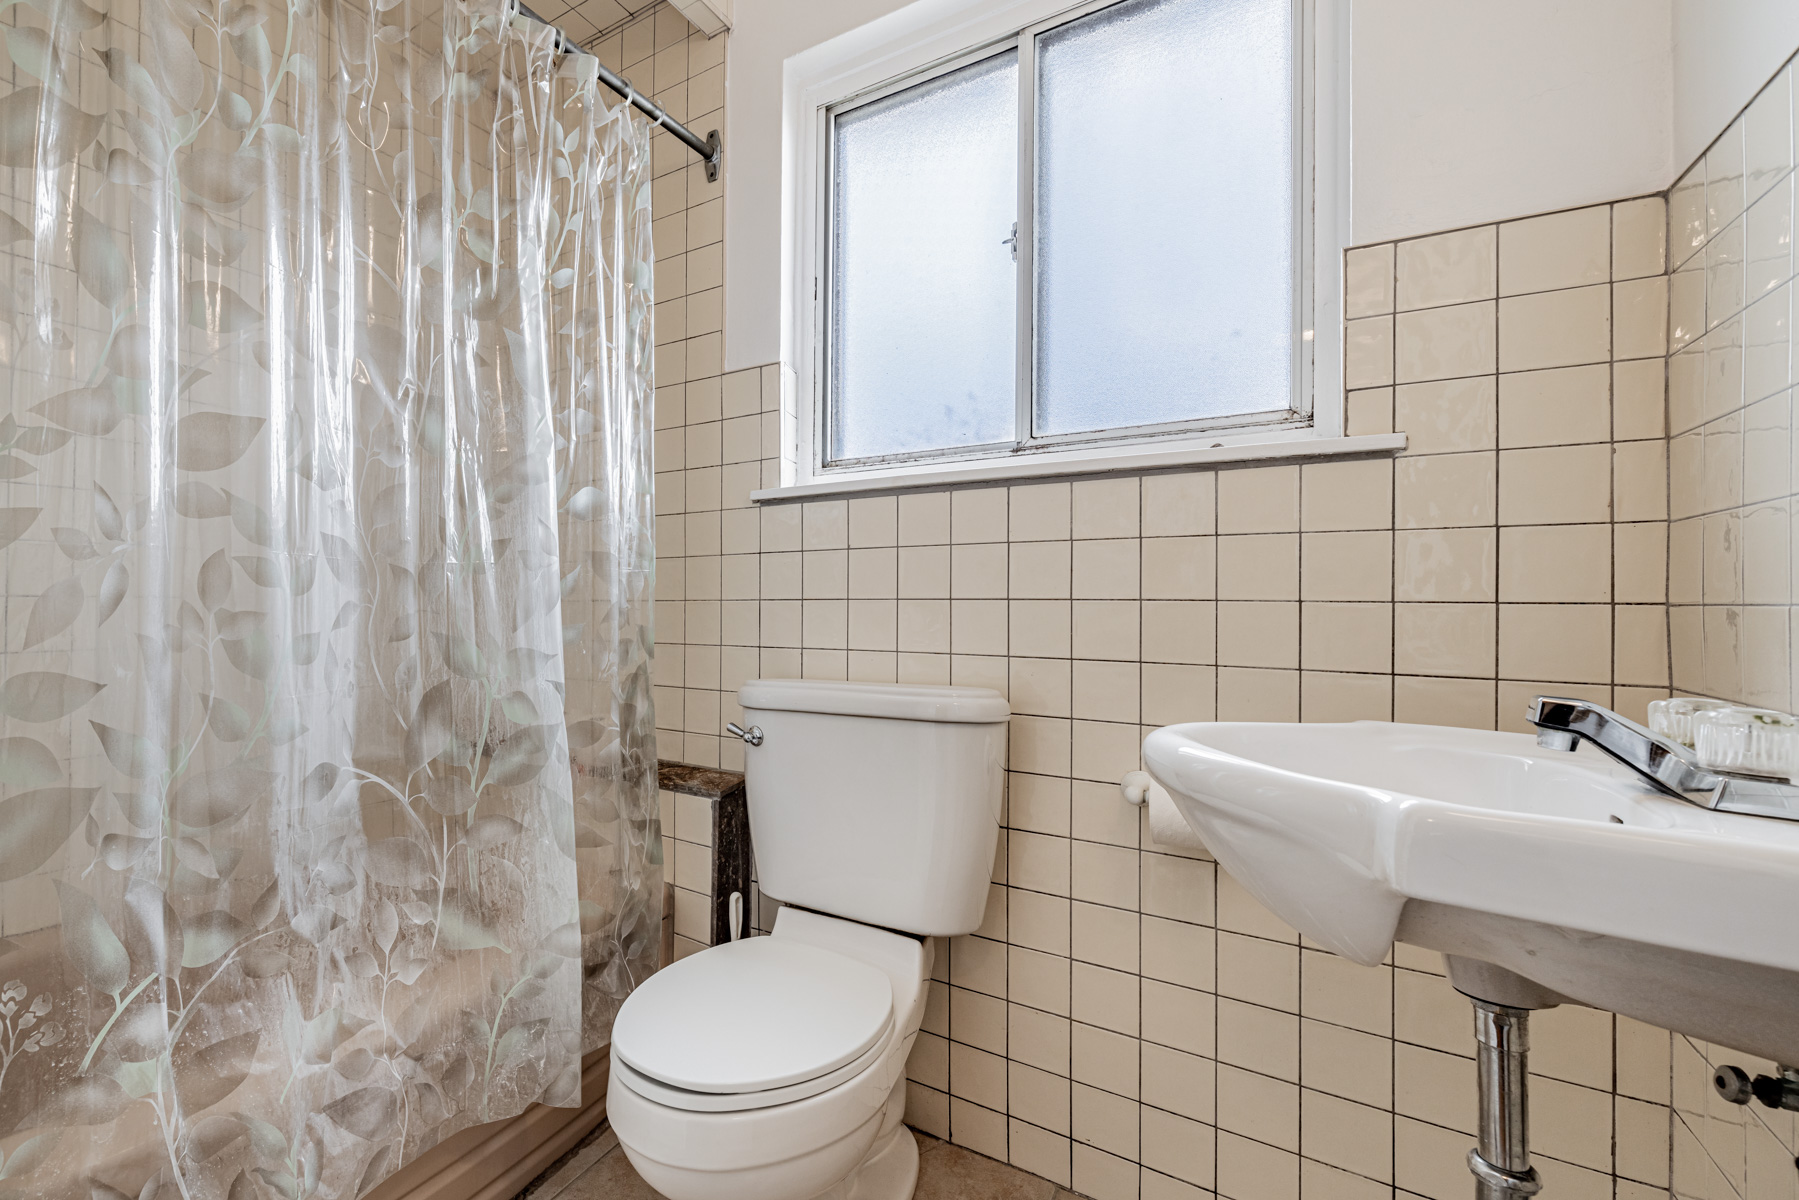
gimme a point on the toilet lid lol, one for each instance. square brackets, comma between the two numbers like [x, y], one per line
[752, 1015]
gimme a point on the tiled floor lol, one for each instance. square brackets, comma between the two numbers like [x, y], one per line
[598, 1170]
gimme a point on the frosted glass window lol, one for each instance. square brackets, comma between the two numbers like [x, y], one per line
[1164, 225]
[924, 289]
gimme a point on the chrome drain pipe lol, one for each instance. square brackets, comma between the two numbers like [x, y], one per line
[1501, 1163]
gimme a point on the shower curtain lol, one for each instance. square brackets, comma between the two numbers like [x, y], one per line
[327, 780]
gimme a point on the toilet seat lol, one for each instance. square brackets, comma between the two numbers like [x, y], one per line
[752, 1024]
[690, 1101]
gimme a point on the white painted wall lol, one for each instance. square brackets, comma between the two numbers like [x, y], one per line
[764, 34]
[1724, 51]
[1465, 111]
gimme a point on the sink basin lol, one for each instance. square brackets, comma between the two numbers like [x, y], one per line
[1562, 869]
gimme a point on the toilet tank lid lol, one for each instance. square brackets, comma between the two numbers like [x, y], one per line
[898, 701]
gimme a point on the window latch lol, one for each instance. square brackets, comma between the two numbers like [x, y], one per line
[1013, 241]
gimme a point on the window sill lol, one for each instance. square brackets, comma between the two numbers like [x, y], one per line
[1095, 461]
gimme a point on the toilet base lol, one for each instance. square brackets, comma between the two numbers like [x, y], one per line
[890, 1172]
[885, 1165]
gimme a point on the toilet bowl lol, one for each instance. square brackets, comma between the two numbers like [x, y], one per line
[773, 1068]
[773, 1136]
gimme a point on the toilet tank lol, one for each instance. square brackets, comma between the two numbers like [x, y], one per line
[876, 802]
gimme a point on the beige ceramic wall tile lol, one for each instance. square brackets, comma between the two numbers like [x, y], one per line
[1039, 1151]
[1559, 642]
[1106, 508]
[1444, 343]
[1368, 353]
[1346, 566]
[1723, 371]
[1686, 304]
[1641, 654]
[1555, 329]
[1450, 268]
[1639, 238]
[1446, 416]
[1446, 565]
[1767, 545]
[1345, 1062]
[1561, 250]
[1368, 411]
[1346, 1135]
[1329, 696]
[1555, 407]
[1640, 563]
[1725, 275]
[1768, 345]
[1258, 695]
[1344, 993]
[1686, 559]
[1179, 631]
[1368, 281]
[1346, 637]
[1174, 1146]
[1258, 634]
[1258, 500]
[1104, 570]
[1639, 399]
[1445, 490]
[1724, 179]
[1686, 215]
[1465, 703]
[978, 515]
[1555, 485]
[1346, 494]
[923, 520]
[1640, 481]
[1640, 318]
[1039, 512]
[1445, 639]
[1174, 692]
[1555, 564]
[1768, 242]
[1179, 1083]
[1179, 568]
[1247, 1167]
[1180, 504]
[1258, 567]
[1686, 475]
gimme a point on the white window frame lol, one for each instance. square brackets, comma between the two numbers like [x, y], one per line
[931, 37]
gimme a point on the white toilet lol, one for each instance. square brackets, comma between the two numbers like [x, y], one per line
[773, 1068]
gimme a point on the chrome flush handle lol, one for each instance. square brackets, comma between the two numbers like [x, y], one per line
[752, 735]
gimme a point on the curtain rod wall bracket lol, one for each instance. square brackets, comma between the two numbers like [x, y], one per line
[710, 150]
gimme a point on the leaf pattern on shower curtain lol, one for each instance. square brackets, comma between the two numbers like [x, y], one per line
[327, 780]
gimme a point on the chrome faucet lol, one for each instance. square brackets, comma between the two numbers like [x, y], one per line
[1667, 765]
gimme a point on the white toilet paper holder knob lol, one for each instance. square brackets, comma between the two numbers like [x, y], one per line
[1134, 787]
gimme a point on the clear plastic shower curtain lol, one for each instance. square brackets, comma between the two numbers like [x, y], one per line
[327, 779]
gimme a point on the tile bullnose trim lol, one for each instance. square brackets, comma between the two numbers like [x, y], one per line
[1133, 462]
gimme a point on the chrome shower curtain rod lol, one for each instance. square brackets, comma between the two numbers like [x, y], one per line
[709, 148]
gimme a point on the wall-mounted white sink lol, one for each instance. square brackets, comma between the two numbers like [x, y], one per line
[1564, 869]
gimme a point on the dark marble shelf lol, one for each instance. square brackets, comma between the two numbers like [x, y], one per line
[731, 851]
